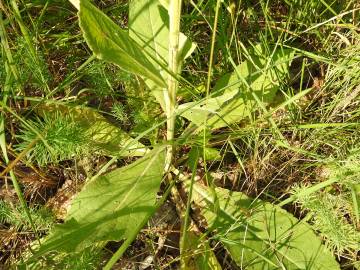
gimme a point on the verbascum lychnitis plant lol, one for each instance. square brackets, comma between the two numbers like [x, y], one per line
[116, 205]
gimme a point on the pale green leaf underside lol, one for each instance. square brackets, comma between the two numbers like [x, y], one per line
[259, 74]
[106, 138]
[110, 43]
[76, 3]
[149, 27]
[109, 207]
[260, 235]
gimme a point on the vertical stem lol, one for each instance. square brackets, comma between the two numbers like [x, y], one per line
[174, 14]
[208, 83]
[213, 40]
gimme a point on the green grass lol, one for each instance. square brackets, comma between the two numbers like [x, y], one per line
[308, 134]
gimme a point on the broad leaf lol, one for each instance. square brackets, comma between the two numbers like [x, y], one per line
[207, 153]
[109, 207]
[196, 254]
[149, 27]
[110, 43]
[258, 75]
[105, 137]
[259, 235]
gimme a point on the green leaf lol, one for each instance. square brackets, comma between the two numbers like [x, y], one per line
[109, 207]
[198, 112]
[196, 254]
[259, 74]
[259, 235]
[263, 71]
[207, 153]
[105, 137]
[110, 43]
[149, 27]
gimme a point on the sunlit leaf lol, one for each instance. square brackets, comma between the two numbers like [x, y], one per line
[110, 43]
[259, 235]
[259, 75]
[109, 207]
[207, 153]
[149, 27]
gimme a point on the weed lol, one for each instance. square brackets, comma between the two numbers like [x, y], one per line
[330, 217]
[14, 216]
[62, 138]
[33, 72]
[119, 112]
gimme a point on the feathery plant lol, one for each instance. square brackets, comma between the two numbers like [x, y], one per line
[334, 212]
[103, 79]
[88, 259]
[38, 77]
[329, 214]
[15, 216]
[119, 112]
[63, 139]
[16, 227]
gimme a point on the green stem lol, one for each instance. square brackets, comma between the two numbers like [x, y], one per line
[170, 99]
[213, 40]
[208, 83]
